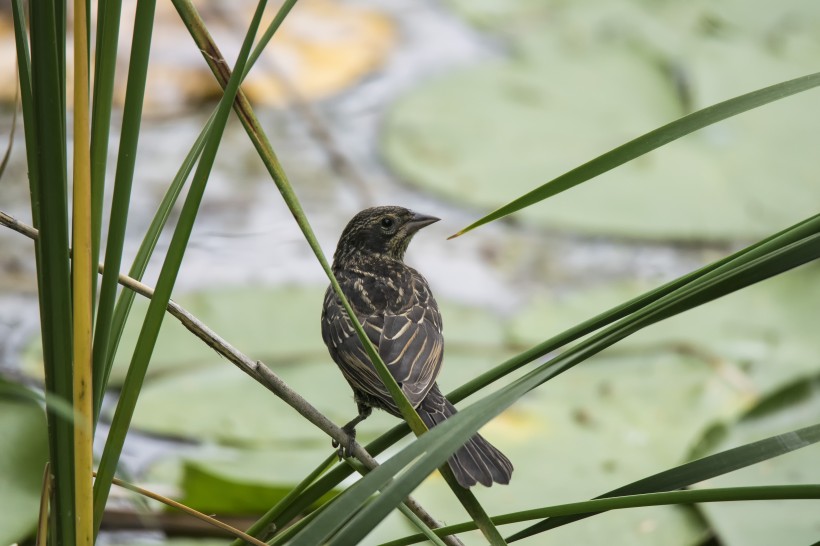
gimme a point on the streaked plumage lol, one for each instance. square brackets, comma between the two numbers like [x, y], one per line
[401, 318]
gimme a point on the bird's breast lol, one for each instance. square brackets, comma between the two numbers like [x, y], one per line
[378, 291]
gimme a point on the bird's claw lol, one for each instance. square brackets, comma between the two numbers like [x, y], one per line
[347, 450]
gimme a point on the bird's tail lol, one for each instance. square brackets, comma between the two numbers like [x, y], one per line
[477, 461]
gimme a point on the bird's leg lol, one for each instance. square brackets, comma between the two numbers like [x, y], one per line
[350, 430]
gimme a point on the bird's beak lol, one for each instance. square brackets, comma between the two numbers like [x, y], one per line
[419, 221]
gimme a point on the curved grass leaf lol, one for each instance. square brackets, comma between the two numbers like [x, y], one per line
[105, 60]
[438, 444]
[651, 141]
[50, 206]
[599, 505]
[83, 270]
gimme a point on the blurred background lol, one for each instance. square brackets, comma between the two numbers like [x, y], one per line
[453, 108]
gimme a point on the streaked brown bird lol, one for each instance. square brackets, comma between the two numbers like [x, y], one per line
[400, 316]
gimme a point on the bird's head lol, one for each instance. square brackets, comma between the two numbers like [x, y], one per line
[380, 231]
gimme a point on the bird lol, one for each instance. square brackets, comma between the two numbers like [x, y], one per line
[400, 316]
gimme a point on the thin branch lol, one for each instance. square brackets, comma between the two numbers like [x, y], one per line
[188, 510]
[255, 369]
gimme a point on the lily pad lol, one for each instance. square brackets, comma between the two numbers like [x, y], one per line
[221, 404]
[271, 324]
[22, 461]
[241, 481]
[770, 522]
[578, 85]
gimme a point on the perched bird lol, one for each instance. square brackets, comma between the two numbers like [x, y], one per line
[400, 316]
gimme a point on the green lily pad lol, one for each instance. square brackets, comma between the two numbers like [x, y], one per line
[245, 481]
[770, 522]
[221, 404]
[22, 461]
[579, 85]
[760, 338]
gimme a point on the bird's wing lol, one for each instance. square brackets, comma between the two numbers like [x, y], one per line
[411, 343]
[348, 352]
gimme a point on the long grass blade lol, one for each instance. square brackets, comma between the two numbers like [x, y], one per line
[151, 237]
[651, 141]
[54, 405]
[162, 294]
[426, 532]
[48, 109]
[597, 506]
[82, 272]
[108, 29]
[121, 200]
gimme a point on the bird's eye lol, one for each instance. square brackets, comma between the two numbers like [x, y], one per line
[387, 222]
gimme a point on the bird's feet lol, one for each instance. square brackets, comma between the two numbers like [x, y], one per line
[344, 451]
